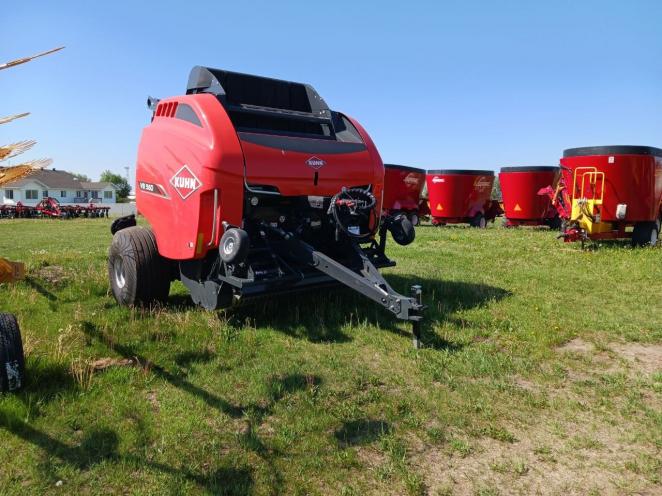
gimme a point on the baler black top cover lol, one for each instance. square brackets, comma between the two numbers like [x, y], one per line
[266, 105]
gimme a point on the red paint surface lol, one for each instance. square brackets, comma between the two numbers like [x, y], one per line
[521, 200]
[214, 154]
[402, 188]
[458, 197]
[634, 180]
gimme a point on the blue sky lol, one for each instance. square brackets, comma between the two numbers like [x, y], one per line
[437, 84]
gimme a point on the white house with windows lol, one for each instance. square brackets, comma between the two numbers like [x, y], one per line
[61, 185]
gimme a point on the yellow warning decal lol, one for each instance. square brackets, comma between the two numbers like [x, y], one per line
[198, 245]
[439, 207]
[517, 207]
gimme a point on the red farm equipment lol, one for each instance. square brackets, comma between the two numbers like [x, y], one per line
[51, 208]
[402, 191]
[610, 192]
[254, 186]
[462, 196]
[523, 205]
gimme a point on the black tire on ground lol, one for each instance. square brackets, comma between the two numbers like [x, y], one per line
[138, 274]
[12, 361]
[645, 234]
[555, 224]
[478, 221]
[414, 219]
[234, 245]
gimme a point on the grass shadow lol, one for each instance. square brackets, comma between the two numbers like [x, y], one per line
[321, 315]
[188, 358]
[102, 445]
[34, 284]
[361, 432]
[126, 351]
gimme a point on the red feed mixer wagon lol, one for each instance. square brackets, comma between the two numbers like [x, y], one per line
[610, 192]
[462, 196]
[522, 203]
[402, 191]
[254, 186]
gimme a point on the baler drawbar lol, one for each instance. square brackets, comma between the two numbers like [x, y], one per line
[254, 186]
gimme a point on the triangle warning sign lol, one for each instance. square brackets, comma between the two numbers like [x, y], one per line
[439, 207]
[517, 207]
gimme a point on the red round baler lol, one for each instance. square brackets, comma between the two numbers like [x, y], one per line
[522, 203]
[254, 186]
[461, 196]
[402, 190]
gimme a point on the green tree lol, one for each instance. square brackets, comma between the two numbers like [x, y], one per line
[496, 189]
[80, 177]
[119, 181]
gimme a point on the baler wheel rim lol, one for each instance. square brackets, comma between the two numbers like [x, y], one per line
[118, 270]
[234, 245]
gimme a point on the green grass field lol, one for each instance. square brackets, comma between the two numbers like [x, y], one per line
[541, 373]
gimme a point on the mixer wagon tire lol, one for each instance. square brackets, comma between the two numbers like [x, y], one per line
[478, 221]
[645, 234]
[414, 219]
[555, 224]
[234, 245]
[138, 274]
[12, 361]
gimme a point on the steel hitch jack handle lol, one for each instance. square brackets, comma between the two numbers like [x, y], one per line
[367, 281]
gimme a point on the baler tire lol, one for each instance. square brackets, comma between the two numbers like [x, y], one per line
[645, 234]
[234, 245]
[12, 360]
[138, 274]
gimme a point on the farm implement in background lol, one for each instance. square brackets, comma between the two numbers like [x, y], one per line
[610, 192]
[402, 192]
[462, 197]
[523, 202]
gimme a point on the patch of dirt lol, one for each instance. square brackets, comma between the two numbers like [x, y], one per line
[576, 345]
[104, 363]
[646, 358]
[629, 358]
[52, 274]
[581, 459]
[153, 401]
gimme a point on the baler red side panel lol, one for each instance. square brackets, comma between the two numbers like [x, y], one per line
[633, 180]
[458, 196]
[521, 200]
[181, 167]
[402, 189]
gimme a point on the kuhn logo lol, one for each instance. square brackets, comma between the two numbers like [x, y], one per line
[315, 162]
[185, 182]
[436, 180]
[482, 183]
[412, 180]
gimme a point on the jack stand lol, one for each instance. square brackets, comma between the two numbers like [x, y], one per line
[417, 294]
